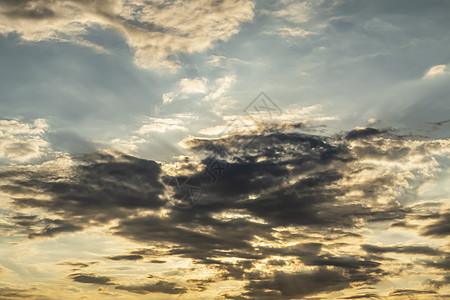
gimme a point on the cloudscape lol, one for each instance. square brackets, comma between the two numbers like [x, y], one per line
[231, 149]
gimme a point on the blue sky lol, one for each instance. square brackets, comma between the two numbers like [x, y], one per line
[136, 87]
[358, 62]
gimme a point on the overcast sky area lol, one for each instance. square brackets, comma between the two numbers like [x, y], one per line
[229, 149]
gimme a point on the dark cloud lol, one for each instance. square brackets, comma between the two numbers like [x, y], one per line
[201, 284]
[276, 262]
[439, 283]
[125, 257]
[158, 287]
[443, 263]
[343, 262]
[78, 264]
[363, 296]
[157, 261]
[440, 229]
[12, 293]
[362, 133]
[283, 188]
[224, 238]
[35, 226]
[407, 249]
[102, 188]
[91, 278]
[410, 292]
[297, 285]
[313, 166]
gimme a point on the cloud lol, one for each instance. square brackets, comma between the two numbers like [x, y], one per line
[161, 125]
[445, 280]
[286, 31]
[125, 257]
[295, 12]
[226, 62]
[22, 142]
[287, 196]
[149, 27]
[410, 292]
[194, 86]
[289, 285]
[443, 263]
[363, 296]
[440, 228]
[222, 85]
[435, 71]
[13, 293]
[78, 264]
[163, 287]
[91, 278]
[362, 133]
[407, 249]
[95, 189]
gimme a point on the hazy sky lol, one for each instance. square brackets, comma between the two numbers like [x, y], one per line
[228, 149]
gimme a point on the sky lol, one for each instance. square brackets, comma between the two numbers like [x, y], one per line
[226, 149]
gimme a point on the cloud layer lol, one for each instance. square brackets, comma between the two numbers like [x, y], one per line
[291, 211]
[148, 26]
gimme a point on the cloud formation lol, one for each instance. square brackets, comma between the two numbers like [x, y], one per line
[288, 209]
[435, 71]
[22, 142]
[148, 26]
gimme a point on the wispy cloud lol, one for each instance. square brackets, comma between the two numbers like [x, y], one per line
[436, 71]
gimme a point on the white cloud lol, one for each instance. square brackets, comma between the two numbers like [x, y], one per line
[222, 61]
[295, 12]
[437, 71]
[222, 86]
[150, 28]
[194, 86]
[168, 97]
[161, 125]
[130, 145]
[21, 142]
[286, 31]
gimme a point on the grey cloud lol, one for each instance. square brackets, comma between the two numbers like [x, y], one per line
[158, 287]
[102, 189]
[297, 285]
[78, 264]
[294, 179]
[225, 238]
[362, 133]
[347, 262]
[407, 249]
[410, 292]
[91, 278]
[12, 293]
[324, 162]
[125, 257]
[157, 261]
[43, 227]
[443, 263]
[363, 296]
[440, 228]
[439, 283]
